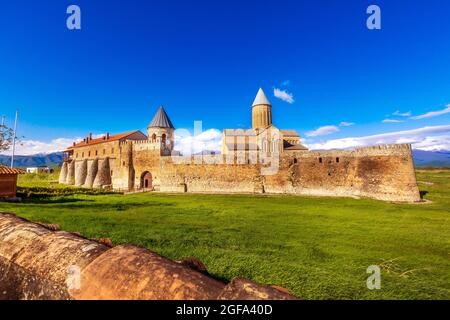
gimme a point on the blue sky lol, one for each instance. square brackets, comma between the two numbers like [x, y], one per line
[205, 60]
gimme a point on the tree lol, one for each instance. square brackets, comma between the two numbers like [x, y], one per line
[6, 137]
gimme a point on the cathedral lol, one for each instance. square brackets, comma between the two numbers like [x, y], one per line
[263, 136]
[263, 159]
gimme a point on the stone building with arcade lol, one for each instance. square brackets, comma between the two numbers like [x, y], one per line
[262, 159]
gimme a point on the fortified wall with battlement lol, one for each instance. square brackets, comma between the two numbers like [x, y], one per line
[263, 159]
[384, 172]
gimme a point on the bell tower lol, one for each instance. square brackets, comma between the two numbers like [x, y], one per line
[162, 130]
[261, 111]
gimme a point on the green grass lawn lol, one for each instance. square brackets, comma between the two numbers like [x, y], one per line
[318, 248]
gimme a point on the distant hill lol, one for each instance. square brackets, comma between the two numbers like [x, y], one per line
[431, 158]
[36, 160]
[207, 153]
[421, 159]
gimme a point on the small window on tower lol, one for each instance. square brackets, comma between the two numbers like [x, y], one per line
[320, 160]
[295, 160]
[337, 159]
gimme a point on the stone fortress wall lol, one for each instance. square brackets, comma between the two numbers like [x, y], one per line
[383, 172]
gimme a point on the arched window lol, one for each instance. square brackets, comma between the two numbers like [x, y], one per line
[320, 160]
[163, 138]
[154, 137]
[295, 160]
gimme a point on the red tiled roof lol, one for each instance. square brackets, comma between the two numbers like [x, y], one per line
[296, 147]
[7, 170]
[103, 139]
[290, 133]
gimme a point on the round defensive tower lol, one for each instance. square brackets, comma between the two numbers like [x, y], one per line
[63, 173]
[92, 168]
[70, 173]
[261, 111]
[80, 172]
[103, 177]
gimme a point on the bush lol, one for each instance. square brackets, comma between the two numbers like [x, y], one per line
[46, 192]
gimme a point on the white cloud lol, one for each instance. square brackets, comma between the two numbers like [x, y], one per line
[392, 121]
[284, 95]
[426, 138]
[186, 143]
[31, 147]
[400, 114]
[346, 124]
[432, 113]
[322, 131]
[436, 143]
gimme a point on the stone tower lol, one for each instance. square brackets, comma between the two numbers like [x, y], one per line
[261, 111]
[161, 130]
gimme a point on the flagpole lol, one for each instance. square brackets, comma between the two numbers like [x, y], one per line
[14, 140]
[2, 129]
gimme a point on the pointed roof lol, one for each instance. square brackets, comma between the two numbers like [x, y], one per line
[161, 120]
[261, 98]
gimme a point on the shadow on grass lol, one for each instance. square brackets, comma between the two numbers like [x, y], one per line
[423, 194]
[50, 200]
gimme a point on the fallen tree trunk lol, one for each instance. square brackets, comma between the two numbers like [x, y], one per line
[42, 264]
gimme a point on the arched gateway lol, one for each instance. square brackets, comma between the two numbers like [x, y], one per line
[146, 181]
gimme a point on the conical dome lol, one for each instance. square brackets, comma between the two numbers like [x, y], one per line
[161, 120]
[261, 98]
[261, 111]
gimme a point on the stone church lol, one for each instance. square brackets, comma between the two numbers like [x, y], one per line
[263, 159]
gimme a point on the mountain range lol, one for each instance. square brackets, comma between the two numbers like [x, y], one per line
[50, 160]
[421, 159]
